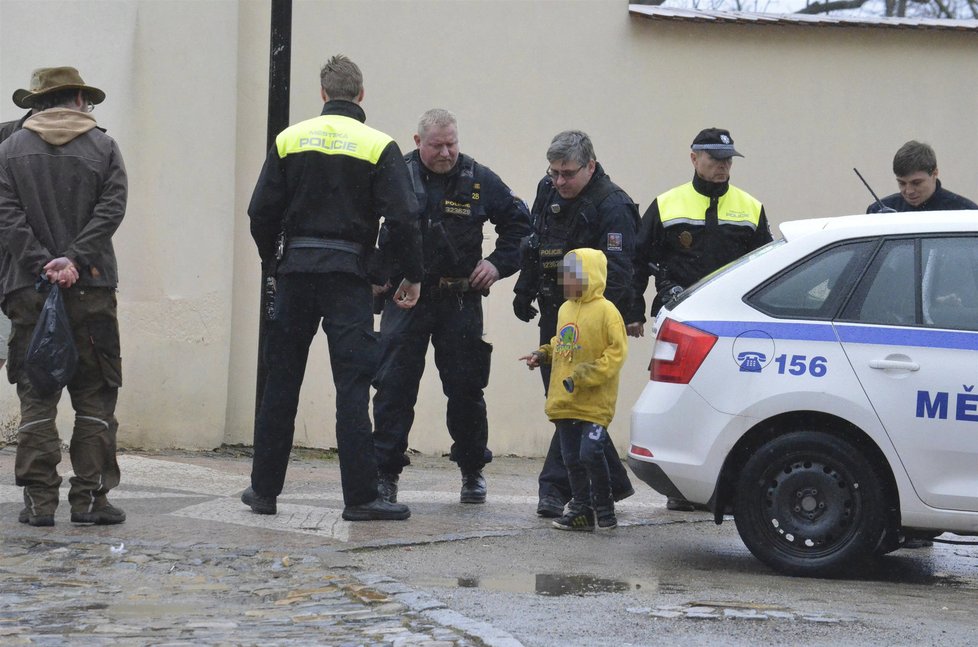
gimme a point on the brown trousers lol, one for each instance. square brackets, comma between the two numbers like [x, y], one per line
[93, 390]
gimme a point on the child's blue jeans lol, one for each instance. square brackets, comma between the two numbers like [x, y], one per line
[582, 446]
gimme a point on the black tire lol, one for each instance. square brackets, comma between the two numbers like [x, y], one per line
[810, 504]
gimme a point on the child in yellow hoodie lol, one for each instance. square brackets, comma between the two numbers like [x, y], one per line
[586, 356]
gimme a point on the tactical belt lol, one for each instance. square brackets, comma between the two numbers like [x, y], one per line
[306, 242]
[454, 284]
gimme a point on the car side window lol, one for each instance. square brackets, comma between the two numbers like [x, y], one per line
[814, 288]
[949, 282]
[887, 292]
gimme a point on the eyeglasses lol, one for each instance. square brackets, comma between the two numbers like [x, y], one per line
[566, 175]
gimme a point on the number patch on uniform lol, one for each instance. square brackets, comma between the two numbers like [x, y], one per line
[800, 365]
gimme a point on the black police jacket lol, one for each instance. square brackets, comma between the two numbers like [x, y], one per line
[942, 200]
[332, 178]
[454, 208]
[601, 217]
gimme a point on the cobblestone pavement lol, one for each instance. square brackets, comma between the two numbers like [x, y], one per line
[192, 565]
[103, 594]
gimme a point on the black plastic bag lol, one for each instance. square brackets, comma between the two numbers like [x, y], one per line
[51, 356]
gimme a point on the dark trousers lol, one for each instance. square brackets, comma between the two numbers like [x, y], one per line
[341, 303]
[553, 480]
[452, 322]
[582, 446]
[93, 390]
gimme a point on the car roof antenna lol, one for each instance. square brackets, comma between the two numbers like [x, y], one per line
[883, 207]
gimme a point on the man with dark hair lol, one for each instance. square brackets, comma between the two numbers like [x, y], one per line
[692, 230]
[915, 168]
[577, 205]
[314, 214]
[457, 196]
[64, 236]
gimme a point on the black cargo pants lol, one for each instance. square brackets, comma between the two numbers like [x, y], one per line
[453, 324]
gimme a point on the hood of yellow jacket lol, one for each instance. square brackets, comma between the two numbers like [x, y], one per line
[594, 266]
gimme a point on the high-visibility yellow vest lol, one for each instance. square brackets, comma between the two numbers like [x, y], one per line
[333, 135]
[685, 205]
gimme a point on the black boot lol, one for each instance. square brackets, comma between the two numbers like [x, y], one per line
[473, 487]
[376, 510]
[35, 519]
[679, 504]
[258, 504]
[105, 514]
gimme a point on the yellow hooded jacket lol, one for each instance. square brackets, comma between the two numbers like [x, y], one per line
[590, 347]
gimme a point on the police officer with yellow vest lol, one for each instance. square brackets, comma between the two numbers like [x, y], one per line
[694, 229]
[316, 208]
[457, 196]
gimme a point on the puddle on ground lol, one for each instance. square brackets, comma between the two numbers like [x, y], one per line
[552, 584]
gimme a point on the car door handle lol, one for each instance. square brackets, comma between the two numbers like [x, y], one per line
[886, 364]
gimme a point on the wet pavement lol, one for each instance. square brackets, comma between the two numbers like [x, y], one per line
[192, 565]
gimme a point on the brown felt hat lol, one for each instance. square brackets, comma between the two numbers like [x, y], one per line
[52, 79]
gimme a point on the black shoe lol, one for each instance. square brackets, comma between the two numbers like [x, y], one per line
[258, 504]
[606, 520]
[106, 515]
[576, 519]
[679, 505]
[35, 519]
[550, 507]
[624, 494]
[473, 487]
[387, 486]
[376, 510]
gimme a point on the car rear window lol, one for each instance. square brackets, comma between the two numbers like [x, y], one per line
[815, 287]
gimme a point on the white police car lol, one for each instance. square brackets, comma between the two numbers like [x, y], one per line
[824, 390]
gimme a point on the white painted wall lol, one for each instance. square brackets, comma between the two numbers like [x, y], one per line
[187, 87]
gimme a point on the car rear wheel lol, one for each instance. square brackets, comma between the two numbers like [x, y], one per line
[809, 503]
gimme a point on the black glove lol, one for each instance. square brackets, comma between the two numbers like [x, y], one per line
[668, 290]
[523, 307]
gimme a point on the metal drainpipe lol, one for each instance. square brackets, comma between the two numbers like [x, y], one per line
[279, 77]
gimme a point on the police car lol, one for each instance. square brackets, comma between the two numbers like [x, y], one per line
[824, 390]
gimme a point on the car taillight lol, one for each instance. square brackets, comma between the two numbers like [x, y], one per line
[641, 451]
[679, 350]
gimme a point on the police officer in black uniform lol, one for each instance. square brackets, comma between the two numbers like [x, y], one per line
[692, 230]
[457, 196]
[324, 186]
[577, 205]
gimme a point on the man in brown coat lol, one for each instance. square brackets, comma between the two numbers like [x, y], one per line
[63, 192]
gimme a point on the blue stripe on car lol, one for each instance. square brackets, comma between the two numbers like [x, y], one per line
[853, 334]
